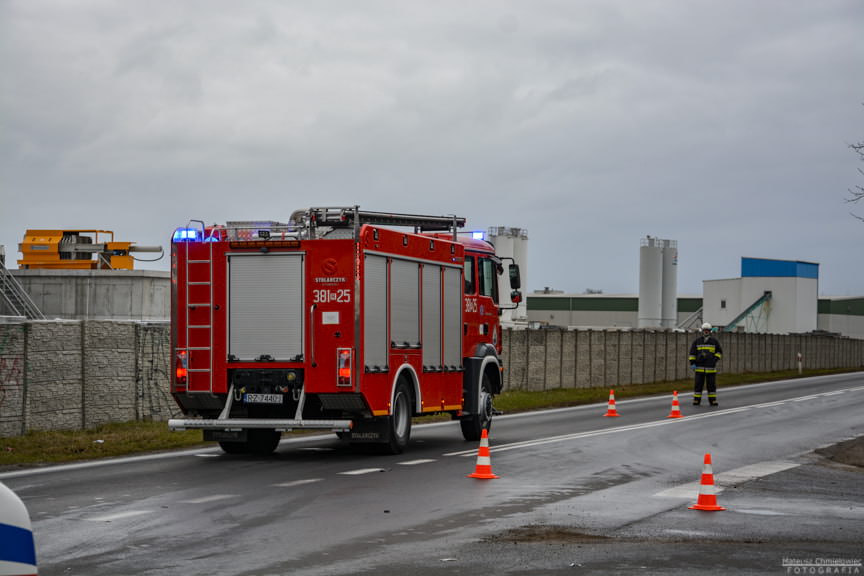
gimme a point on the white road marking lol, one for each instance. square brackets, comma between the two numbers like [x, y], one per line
[736, 476]
[205, 499]
[361, 471]
[415, 462]
[565, 437]
[760, 512]
[753, 471]
[297, 482]
[119, 516]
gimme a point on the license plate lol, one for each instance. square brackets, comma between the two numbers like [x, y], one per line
[262, 398]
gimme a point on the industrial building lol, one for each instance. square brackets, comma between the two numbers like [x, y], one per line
[770, 297]
[844, 316]
[555, 308]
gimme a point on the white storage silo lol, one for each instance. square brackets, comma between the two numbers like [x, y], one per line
[669, 311]
[512, 243]
[650, 282]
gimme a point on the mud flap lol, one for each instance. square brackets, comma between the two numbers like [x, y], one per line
[371, 431]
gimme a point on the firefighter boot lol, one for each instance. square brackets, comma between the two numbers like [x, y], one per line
[697, 399]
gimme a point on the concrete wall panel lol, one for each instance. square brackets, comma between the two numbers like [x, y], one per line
[597, 343]
[568, 359]
[536, 376]
[583, 359]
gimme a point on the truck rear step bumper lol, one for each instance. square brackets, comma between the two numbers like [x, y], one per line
[245, 423]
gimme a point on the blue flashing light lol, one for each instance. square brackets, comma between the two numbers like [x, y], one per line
[478, 235]
[186, 235]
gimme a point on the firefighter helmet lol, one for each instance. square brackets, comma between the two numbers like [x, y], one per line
[706, 326]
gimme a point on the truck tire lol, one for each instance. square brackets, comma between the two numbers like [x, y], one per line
[472, 427]
[260, 441]
[399, 421]
[234, 447]
[263, 441]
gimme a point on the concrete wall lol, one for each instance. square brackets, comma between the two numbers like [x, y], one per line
[79, 374]
[97, 294]
[549, 359]
[66, 375]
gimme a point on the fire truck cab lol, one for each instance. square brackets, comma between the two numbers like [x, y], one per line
[338, 320]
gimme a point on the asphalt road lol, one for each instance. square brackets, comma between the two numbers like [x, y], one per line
[578, 493]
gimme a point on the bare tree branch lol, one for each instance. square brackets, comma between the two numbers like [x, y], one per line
[857, 192]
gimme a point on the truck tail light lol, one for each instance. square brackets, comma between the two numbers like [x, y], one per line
[344, 366]
[182, 368]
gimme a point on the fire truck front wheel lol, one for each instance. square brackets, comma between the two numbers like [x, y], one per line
[399, 421]
[473, 425]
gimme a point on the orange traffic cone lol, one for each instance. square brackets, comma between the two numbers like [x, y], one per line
[610, 411]
[676, 408]
[707, 497]
[483, 470]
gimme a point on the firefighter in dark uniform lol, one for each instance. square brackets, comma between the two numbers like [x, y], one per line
[705, 352]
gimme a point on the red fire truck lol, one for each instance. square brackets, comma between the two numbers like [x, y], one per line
[341, 320]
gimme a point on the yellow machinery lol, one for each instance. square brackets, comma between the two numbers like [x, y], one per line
[77, 250]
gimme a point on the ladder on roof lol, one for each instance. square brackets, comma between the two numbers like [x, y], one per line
[345, 217]
[16, 297]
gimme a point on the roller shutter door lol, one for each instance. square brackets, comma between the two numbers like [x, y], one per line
[265, 310]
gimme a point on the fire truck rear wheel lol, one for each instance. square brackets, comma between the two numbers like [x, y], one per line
[259, 441]
[263, 441]
[399, 422]
[234, 447]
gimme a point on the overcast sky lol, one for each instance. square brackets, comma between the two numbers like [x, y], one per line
[723, 125]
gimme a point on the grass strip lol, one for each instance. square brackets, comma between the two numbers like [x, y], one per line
[120, 439]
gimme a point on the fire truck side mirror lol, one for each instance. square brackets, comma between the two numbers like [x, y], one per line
[515, 282]
[516, 296]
